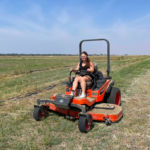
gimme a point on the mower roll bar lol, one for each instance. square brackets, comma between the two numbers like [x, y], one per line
[108, 52]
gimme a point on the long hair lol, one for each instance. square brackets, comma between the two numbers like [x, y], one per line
[87, 61]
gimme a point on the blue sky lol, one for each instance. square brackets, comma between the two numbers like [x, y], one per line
[47, 26]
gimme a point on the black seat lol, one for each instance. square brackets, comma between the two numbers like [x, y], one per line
[95, 68]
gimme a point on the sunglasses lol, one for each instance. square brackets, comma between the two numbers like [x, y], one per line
[83, 56]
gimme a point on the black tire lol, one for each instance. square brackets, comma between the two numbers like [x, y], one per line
[83, 124]
[37, 114]
[114, 97]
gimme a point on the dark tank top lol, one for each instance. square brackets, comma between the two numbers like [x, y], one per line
[84, 68]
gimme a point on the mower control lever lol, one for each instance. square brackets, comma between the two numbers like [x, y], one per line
[74, 70]
[87, 72]
[71, 72]
[82, 72]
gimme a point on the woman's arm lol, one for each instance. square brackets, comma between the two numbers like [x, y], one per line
[91, 69]
[77, 68]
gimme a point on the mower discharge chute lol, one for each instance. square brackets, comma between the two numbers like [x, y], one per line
[102, 102]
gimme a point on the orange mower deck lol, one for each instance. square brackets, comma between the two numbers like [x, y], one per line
[100, 112]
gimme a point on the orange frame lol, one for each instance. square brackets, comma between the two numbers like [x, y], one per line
[98, 117]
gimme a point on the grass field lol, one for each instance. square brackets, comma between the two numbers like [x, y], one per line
[20, 76]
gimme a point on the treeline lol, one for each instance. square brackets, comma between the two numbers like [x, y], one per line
[15, 54]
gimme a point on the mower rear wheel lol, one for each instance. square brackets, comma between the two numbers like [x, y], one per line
[38, 115]
[84, 125]
[114, 97]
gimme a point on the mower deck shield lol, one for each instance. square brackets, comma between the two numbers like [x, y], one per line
[63, 101]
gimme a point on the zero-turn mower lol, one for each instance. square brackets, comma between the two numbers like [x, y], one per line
[101, 104]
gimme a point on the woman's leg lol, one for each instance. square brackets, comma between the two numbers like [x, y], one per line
[83, 82]
[75, 83]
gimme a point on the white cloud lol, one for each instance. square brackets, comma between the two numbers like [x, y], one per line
[63, 17]
[34, 12]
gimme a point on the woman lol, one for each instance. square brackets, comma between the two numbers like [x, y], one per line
[85, 64]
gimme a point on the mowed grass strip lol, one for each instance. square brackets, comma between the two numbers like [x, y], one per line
[24, 65]
[124, 75]
[31, 82]
[21, 131]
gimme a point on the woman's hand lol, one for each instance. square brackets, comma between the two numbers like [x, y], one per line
[71, 69]
[89, 70]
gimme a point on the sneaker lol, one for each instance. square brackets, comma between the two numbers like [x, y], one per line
[72, 93]
[83, 95]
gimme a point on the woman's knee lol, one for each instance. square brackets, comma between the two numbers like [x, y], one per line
[83, 79]
[77, 79]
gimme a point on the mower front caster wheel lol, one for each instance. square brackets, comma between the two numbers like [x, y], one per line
[83, 124]
[38, 115]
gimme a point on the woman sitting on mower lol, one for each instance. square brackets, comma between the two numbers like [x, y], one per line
[87, 65]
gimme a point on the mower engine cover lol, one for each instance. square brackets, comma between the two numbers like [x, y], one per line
[63, 101]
